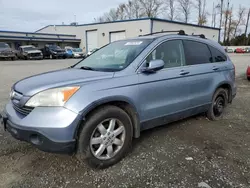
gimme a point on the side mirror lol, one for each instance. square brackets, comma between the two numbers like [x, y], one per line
[154, 65]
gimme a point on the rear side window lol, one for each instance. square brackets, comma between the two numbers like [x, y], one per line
[217, 55]
[197, 53]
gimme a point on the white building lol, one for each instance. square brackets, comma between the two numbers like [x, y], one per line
[96, 35]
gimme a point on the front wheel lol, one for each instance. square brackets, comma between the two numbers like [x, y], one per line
[219, 102]
[105, 138]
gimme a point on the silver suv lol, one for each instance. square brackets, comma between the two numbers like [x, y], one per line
[96, 107]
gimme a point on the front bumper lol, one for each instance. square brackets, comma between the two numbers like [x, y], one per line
[35, 57]
[7, 56]
[39, 128]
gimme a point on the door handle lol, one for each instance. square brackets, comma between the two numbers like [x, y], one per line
[215, 68]
[184, 72]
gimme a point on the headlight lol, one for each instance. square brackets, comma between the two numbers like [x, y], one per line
[52, 97]
[54, 52]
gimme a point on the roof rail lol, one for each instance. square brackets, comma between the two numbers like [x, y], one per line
[201, 36]
[179, 32]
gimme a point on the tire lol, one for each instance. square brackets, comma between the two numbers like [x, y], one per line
[219, 103]
[248, 78]
[85, 151]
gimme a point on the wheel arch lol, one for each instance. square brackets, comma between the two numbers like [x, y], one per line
[119, 101]
[228, 87]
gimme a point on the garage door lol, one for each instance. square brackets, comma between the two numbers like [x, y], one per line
[114, 36]
[91, 40]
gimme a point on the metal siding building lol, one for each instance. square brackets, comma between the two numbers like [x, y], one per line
[97, 35]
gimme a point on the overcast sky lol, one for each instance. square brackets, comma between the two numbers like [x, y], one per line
[31, 15]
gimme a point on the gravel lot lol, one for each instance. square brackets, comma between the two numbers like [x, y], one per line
[188, 153]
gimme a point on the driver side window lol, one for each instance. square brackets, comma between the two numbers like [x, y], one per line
[171, 52]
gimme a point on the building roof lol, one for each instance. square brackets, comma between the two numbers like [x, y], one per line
[16, 35]
[130, 20]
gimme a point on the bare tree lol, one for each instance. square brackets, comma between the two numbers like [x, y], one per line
[230, 26]
[240, 19]
[133, 9]
[121, 13]
[184, 8]
[171, 6]
[202, 13]
[151, 8]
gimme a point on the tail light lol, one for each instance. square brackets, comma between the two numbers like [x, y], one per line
[248, 70]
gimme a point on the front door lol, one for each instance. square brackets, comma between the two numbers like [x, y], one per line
[164, 95]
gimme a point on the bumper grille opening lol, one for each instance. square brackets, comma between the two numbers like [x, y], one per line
[22, 110]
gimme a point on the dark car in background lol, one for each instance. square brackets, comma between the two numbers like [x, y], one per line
[29, 52]
[6, 52]
[53, 52]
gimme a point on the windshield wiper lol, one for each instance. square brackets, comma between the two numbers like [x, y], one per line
[86, 68]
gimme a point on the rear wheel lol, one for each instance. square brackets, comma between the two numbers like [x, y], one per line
[220, 101]
[105, 138]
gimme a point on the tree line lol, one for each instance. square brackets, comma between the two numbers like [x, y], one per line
[233, 23]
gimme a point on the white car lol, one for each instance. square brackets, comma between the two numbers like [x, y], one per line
[78, 53]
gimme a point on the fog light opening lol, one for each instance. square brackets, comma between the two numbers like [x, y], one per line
[36, 139]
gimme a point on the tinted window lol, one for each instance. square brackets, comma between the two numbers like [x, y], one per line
[217, 55]
[197, 53]
[171, 52]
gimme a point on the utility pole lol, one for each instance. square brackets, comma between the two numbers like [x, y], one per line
[221, 12]
[229, 25]
[248, 16]
[213, 16]
[226, 19]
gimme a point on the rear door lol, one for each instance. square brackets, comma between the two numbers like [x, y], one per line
[202, 73]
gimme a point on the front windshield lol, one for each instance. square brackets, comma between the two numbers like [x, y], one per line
[115, 56]
[29, 48]
[54, 47]
[4, 45]
[77, 50]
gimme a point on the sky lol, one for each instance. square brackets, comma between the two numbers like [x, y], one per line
[31, 15]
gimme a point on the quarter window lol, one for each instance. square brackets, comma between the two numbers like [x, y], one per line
[197, 53]
[171, 52]
[217, 55]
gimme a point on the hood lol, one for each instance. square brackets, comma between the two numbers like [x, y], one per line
[34, 51]
[34, 84]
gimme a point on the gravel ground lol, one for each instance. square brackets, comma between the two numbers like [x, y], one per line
[191, 153]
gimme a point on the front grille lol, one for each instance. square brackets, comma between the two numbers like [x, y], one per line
[34, 54]
[22, 110]
[16, 97]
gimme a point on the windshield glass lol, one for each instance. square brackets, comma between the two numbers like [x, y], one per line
[115, 56]
[77, 50]
[54, 47]
[29, 48]
[4, 45]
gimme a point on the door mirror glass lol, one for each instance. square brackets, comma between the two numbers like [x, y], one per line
[154, 65]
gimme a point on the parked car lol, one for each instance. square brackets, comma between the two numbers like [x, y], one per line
[247, 50]
[229, 50]
[6, 52]
[29, 52]
[69, 53]
[239, 50]
[78, 53]
[96, 107]
[248, 73]
[53, 52]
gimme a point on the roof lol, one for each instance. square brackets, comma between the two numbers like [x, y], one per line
[131, 20]
[26, 46]
[34, 33]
